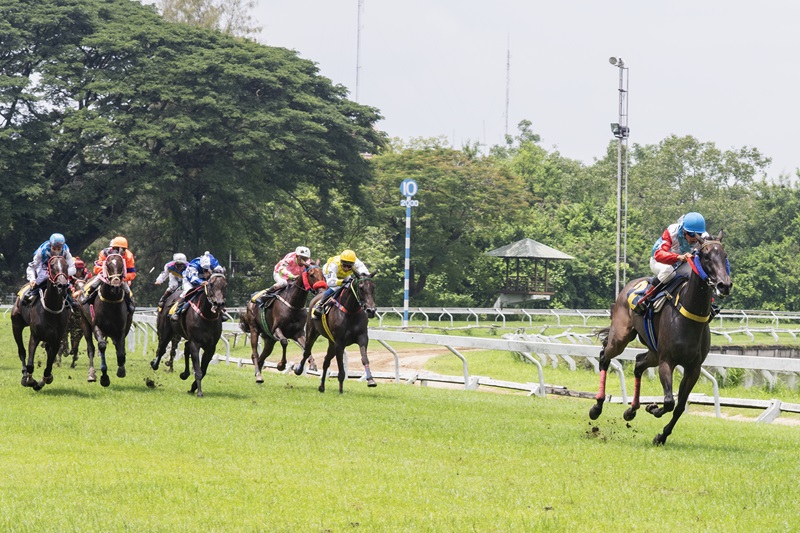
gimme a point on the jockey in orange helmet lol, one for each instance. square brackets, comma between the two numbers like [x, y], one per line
[118, 245]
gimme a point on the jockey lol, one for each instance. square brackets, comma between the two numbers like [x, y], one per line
[336, 271]
[173, 270]
[80, 270]
[672, 254]
[37, 269]
[286, 270]
[118, 245]
[197, 272]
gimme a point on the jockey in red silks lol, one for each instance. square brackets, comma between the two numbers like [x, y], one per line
[672, 254]
[286, 270]
[119, 246]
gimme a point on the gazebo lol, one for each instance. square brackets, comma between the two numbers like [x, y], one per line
[526, 281]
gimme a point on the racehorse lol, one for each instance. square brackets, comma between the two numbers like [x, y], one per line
[681, 329]
[283, 319]
[74, 334]
[107, 317]
[47, 317]
[344, 324]
[200, 325]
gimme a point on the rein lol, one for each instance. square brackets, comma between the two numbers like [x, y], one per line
[53, 276]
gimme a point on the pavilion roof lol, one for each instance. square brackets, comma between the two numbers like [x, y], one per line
[529, 249]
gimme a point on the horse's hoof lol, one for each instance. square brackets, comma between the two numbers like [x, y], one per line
[154, 364]
[595, 411]
[259, 379]
[105, 381]
[199, 394]
[281, 366]
[629, 414]
[659, 440]
[321, 388]
[121, 372]
[371, 383]
[184, 376]
[654, 410]
[47, 380]
[37, 385]
[298, 371]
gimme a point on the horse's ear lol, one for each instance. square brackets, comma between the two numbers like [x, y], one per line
[720, 235]
[374, 273]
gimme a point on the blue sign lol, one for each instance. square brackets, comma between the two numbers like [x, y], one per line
[408, 188]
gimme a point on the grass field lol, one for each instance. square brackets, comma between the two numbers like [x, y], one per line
[282, 457]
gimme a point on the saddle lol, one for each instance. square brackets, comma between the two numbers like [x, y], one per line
[263, 298]
[638, 291]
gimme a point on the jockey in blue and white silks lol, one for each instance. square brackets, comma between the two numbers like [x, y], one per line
[199, 270]
[37, 269]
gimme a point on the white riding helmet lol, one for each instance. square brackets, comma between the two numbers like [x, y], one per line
[179, 258]
[205, 261]
[302, 251]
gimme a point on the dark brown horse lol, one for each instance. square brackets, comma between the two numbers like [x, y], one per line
[200, 325]
[72, 338]
[344, 324]
[284, 317]
[107, 317]
[47, 317]
[681, 329]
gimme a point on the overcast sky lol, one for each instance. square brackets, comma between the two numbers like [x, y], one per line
[724, 71]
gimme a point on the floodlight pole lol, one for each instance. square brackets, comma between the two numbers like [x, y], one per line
[621, 132]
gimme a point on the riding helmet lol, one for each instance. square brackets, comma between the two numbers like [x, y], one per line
[348, 255]
[119, 242]
[57, 238]
[694, 222]
[302, 251]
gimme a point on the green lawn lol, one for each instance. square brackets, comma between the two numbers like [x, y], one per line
[283, 457]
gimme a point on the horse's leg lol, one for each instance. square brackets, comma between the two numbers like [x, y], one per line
[208, 355]
[194, 350]
[644, 361]
[32, 344]
[325, 365]
[665, 371]
[89, 337]
[119, 345]
[362, 345]
[173, 349]
[102, 344]
[17, 327]
[258, 363]
[52, 352]
[186, 358]
[311, 337]
[75, 338]
[687, 384]
[278, 334]
[618, 338]
[340, 365]
[163, 342]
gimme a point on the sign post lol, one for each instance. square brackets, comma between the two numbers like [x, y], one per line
[408, 188]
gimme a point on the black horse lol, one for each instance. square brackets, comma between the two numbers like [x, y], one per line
[47, 317]
[107, 317]
[200, 325]
[681, 329]
[284, 317]
[344, 324]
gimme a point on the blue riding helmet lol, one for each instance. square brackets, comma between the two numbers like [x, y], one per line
[694, 223]
[57, 238]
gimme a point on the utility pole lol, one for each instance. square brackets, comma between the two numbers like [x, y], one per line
[621, 131]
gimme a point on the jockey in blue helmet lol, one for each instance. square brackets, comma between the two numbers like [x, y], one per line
[672, 253]
[37, 269]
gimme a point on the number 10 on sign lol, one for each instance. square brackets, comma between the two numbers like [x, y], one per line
[408, 188]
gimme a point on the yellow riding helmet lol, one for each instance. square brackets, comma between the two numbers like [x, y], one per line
[348, 255]
[119, 242]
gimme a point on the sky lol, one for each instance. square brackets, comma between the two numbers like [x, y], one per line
[725, 72]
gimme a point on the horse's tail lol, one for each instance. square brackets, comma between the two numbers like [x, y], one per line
[243, 325]
[602, 334]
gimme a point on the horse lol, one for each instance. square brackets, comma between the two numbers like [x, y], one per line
[344, 324]
[200, 325]
[682, 332]
[74, 333]
[47, 317]
[283, 319]
[107, 317]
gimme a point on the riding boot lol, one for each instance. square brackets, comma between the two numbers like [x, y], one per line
[644, 302]
[129, 298]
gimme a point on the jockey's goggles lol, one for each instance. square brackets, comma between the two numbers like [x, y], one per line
[690, 233]
[347, 265]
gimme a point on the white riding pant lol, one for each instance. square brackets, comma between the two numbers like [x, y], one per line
[666, 272]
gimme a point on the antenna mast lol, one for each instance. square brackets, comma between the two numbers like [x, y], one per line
[358, 46]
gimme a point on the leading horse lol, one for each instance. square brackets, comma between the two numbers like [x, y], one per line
[200, 325]
[283, 319]
[47, 317]
[681, 329]
[344, 324]
[107, 317]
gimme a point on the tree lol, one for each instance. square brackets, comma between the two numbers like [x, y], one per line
[228, 16]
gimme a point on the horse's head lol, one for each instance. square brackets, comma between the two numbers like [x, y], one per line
[364, 287]
[114, 270]
[711, 263]
[57, 271]
[216, 289]
[313, 278]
